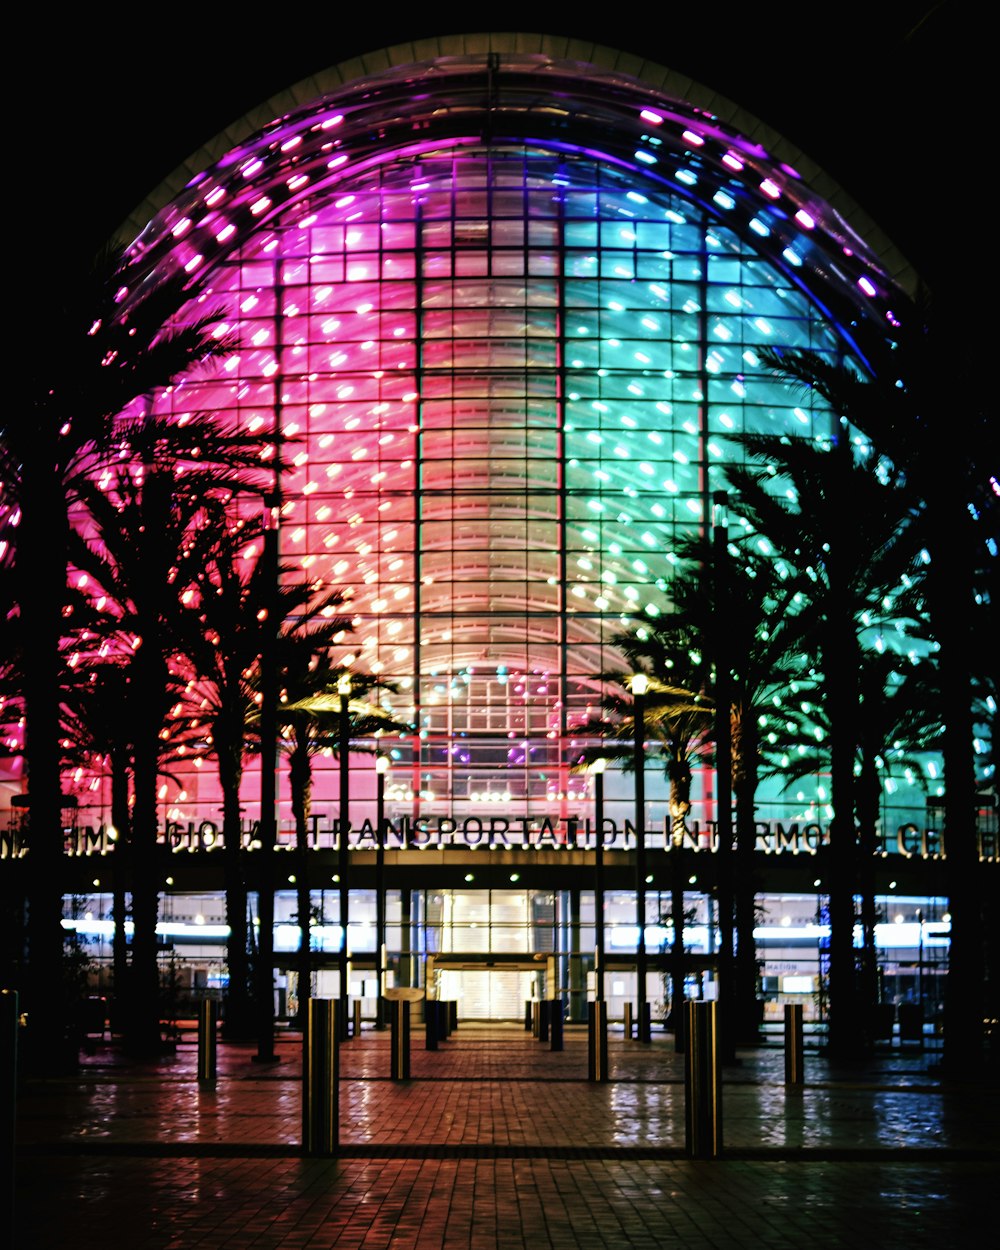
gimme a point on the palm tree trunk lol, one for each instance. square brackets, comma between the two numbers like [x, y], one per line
[951, 584]
[841, 663]
[121, 871]
[143, 1037]
[869, 792]
[41, 571]
[745, 756]
[239, 1022]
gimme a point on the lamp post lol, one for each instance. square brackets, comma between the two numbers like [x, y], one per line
[723, 778]
[640, 684]
[343, 855]
[597, 772]
[268, 786]
[382, 763]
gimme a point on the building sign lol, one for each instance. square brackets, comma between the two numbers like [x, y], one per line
[465, 833]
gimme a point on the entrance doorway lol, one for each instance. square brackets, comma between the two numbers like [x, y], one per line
[488, 993]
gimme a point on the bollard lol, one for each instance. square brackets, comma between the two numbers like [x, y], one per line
[529, 1015]
[544, 1018]
[320, 1077]
[357, 1017]
[9, 1024]
[628, 1021]
[702, 1082]
[430, 1024]
[555, 1024]
[453, 1015]
[444, 1019]
[208, 1039]
[597, 1041]
[794, 1056]
[644, 1024]
[399, 1023]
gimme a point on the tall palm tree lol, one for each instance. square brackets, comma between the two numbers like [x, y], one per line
[933, 423]
[157, 520]
[678, 714]
[312, 721]
[838, 516]
[747, 615]
[898, 723]
[223, 640]
[88, 360]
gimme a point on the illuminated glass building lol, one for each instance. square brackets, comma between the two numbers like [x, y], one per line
[508, 307]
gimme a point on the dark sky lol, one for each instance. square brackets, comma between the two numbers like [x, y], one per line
[884, 96]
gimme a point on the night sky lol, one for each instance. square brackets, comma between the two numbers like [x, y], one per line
[886, 97]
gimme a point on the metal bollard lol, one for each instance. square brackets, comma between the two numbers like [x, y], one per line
[555, 1024]
[357, 1017]
[536, 1017]
[597, 1041]
[208, 1039]
[453, 1015]
[702, 1082]
[399, 1024]
[320, 1079]
[628, 1021]
[544, 1018]
[529, 1015]
[794, 1054]
[431, 1018]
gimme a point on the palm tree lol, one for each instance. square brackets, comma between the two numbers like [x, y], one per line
[157, 520]
[312, 720]
[678, 714]
[932, 423]
[88, 361]
[842, 527]
[898, 723]
[747, 615]
[223, 641]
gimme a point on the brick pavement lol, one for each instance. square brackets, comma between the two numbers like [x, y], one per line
[498, 1142]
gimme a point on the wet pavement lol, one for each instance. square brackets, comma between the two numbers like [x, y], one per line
[497, 1141]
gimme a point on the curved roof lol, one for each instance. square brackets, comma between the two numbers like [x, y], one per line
[534, 89]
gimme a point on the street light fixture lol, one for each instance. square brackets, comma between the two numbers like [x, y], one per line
[343, 857]
[640, 686]
[597, 772]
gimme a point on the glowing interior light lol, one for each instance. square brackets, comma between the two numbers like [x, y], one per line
[792, 256]
[654, 119]
[867, 286]
[647, 158]
[723, 199]
[686, 176]
[806, 220]
[770, 188]
[733, 162]
[690, 136]
[758, 227]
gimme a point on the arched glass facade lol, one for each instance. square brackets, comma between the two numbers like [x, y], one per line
[508, 314]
